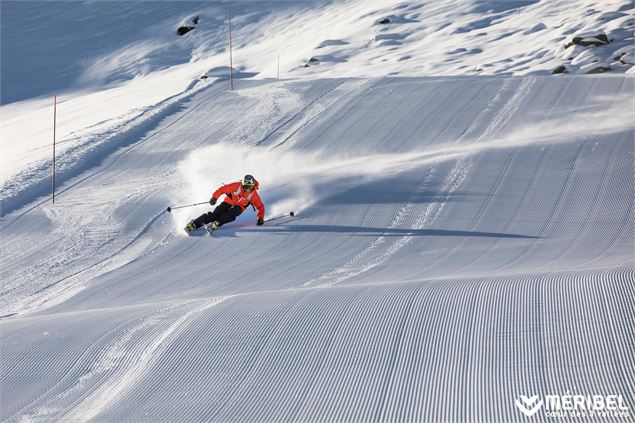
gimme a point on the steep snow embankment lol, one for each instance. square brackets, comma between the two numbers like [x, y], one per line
[462, 241]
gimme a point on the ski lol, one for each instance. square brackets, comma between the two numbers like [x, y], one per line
[210, 227]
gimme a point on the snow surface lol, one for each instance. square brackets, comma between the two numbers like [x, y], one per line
[462, 238]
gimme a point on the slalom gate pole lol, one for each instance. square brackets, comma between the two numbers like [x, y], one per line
[231, 60]
[54, 126]
[290, 214]
[169, 209]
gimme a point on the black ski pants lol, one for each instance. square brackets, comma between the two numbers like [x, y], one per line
[223, 213]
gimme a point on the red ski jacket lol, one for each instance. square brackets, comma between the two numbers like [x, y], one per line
[236, 195]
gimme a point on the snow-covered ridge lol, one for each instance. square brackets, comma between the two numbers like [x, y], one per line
[399, 38]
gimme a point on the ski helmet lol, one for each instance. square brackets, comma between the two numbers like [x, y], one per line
[249, 182]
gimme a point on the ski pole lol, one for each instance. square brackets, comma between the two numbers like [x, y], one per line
[281, 216]
[169, 209]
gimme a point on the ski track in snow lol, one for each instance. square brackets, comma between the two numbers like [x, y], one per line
[418, 295]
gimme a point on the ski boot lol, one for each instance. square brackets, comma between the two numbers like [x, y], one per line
[190, 227]
[213, 226]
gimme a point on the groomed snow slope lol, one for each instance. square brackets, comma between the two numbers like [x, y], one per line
[459, 242]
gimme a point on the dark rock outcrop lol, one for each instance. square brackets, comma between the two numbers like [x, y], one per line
[599, 69]
[596, 40]
[184, 30]
[559, 69]
[624, 56]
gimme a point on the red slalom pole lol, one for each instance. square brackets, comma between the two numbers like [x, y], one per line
[54, 125]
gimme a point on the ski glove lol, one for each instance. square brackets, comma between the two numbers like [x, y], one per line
[260, 222]
[212, 201]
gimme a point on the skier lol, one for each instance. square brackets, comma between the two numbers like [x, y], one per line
[238, 196]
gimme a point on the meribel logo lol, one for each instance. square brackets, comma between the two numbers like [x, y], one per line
[529, 406]
[574, 405]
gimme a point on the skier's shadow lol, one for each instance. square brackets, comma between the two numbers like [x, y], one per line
[232, 231]
[375, 231]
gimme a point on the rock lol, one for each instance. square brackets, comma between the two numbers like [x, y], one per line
[584, 42]
[603, 37]
[559, 69]
[598, 69]
[313, 60]
[184, 30]
[625, 55]
[587, 40]
[394, 19]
